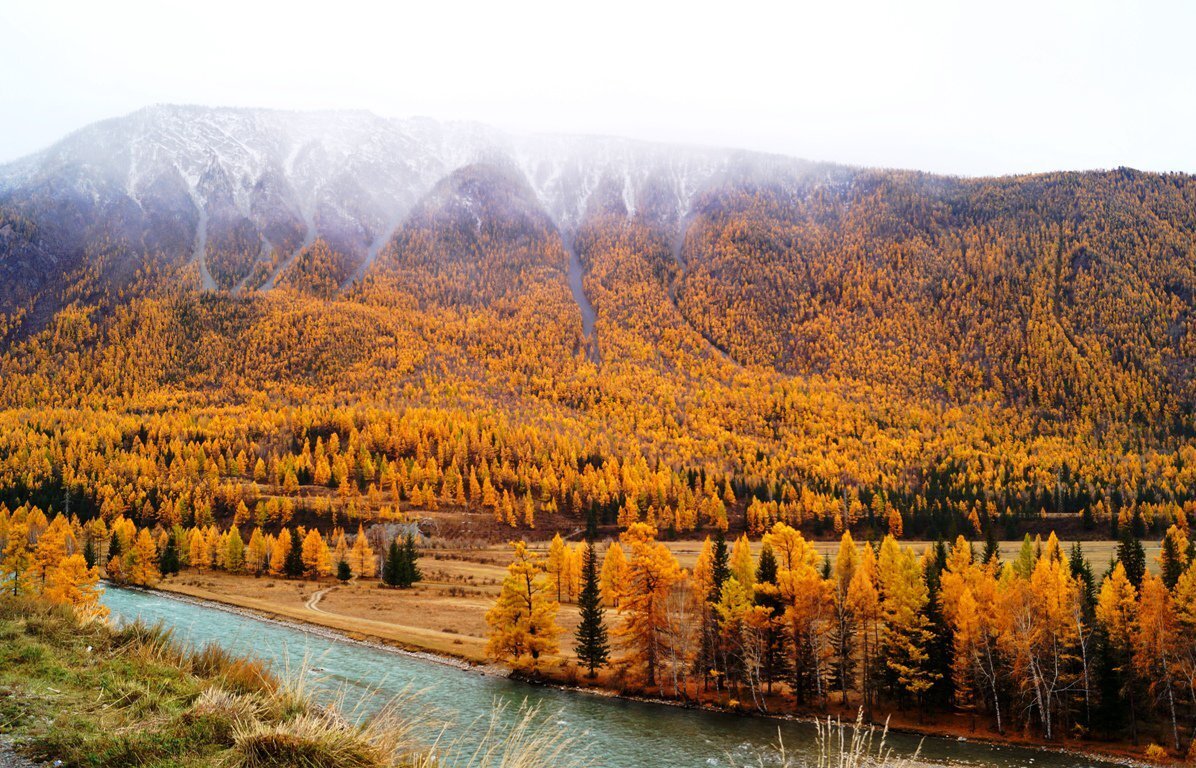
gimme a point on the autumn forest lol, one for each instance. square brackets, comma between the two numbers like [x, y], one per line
[805, 354]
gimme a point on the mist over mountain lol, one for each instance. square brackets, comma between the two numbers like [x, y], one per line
[234, 190]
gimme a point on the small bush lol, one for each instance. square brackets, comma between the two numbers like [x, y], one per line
[150, 642]
[308, 741]
[220, 713]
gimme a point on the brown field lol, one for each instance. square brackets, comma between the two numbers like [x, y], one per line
[445, 613]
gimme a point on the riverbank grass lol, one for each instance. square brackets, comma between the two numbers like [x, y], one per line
[88, 694]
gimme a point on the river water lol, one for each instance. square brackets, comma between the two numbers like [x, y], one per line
[617, 733]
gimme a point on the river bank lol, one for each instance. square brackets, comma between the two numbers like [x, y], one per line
[959, 727]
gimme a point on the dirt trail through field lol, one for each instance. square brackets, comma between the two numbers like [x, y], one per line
[313, 602]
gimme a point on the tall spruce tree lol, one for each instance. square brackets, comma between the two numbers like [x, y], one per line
[592, 647]
[768, 596]
[992, 550]
[410, 563]
[393, 567]
[721, 568]
[1171, 562]
[168, 562]
[1133, 557]
[1082, 571]
[293, 567]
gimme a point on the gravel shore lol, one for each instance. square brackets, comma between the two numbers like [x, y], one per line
[10, 759]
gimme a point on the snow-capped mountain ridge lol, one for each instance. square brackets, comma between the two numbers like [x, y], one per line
[224, 187]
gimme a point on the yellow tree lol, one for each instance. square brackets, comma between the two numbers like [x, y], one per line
[809, 615]
[73, 583]
[317, 560]
[233, 550]
[965, 638]
[743, 566]
[362, 559]
[863, 598]
[613, 581]
[558, 565]
[743, 629]
[340, 551]
[846, 562]
[1038, 634]
[257, 553]
[52, 546]
[1185, 615]
[905, 631]
[1156, 646]
[522, 620]
[197, 550]
[16, 562]
[142, 561]
[279, 552]
[651, 574]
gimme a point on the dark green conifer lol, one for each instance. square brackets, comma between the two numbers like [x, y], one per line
[292, 567]
[591, 646]
[392, 568]
[992, 550]
[1132, 557]
[168, 561]
[410, 562]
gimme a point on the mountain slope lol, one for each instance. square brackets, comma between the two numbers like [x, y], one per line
[697, 330]
[238, 193]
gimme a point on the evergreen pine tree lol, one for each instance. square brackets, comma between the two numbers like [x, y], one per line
[721, 568]
[392, 569]
[343, 571]
[766, 570]
[768, 596]
[114, 546]
[1172, 564]
[1082, 571]
[992, 550]
[409, 573]
[1133, 558]
[89, 553]
[168, 562]
[592, 647]
[941, 649]
[292, 567]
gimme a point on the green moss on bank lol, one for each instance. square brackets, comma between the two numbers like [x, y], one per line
[92, 696]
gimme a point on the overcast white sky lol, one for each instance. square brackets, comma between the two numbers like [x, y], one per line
[962, 87]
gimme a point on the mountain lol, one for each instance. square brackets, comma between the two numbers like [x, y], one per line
[238, 193]
[698, 331]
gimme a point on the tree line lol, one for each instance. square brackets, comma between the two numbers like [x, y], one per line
[1040, 642]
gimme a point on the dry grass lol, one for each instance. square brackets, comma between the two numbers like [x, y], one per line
[523, 739]
[840, 745]
[89, 694]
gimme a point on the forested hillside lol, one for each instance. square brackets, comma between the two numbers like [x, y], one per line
[774, 341]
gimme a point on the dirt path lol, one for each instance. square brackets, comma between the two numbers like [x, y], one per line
[313, 602]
